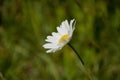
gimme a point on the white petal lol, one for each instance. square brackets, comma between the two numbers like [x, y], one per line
[53, 39]
[64, 30]
[50, 37]
[60, 31]
[48, 45]
[49, 51]
[72, 25]
[56, 36]
[65, 26]
[48, 40]
[53, 49]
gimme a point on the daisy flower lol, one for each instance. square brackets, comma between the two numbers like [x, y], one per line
[59, 39]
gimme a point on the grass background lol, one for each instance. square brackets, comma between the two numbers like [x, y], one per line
[24, 25]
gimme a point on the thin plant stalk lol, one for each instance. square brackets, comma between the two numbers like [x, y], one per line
[83, 67]
[76, 53]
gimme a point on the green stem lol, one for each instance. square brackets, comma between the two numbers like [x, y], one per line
[82, 66]
[76, 53]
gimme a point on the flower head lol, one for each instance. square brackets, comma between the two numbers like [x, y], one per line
[59, 39]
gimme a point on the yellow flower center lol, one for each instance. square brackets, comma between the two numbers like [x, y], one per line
[63, 39]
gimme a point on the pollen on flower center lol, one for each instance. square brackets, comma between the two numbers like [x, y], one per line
[63, 39]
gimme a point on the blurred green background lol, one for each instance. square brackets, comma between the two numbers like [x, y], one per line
[24, 25]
